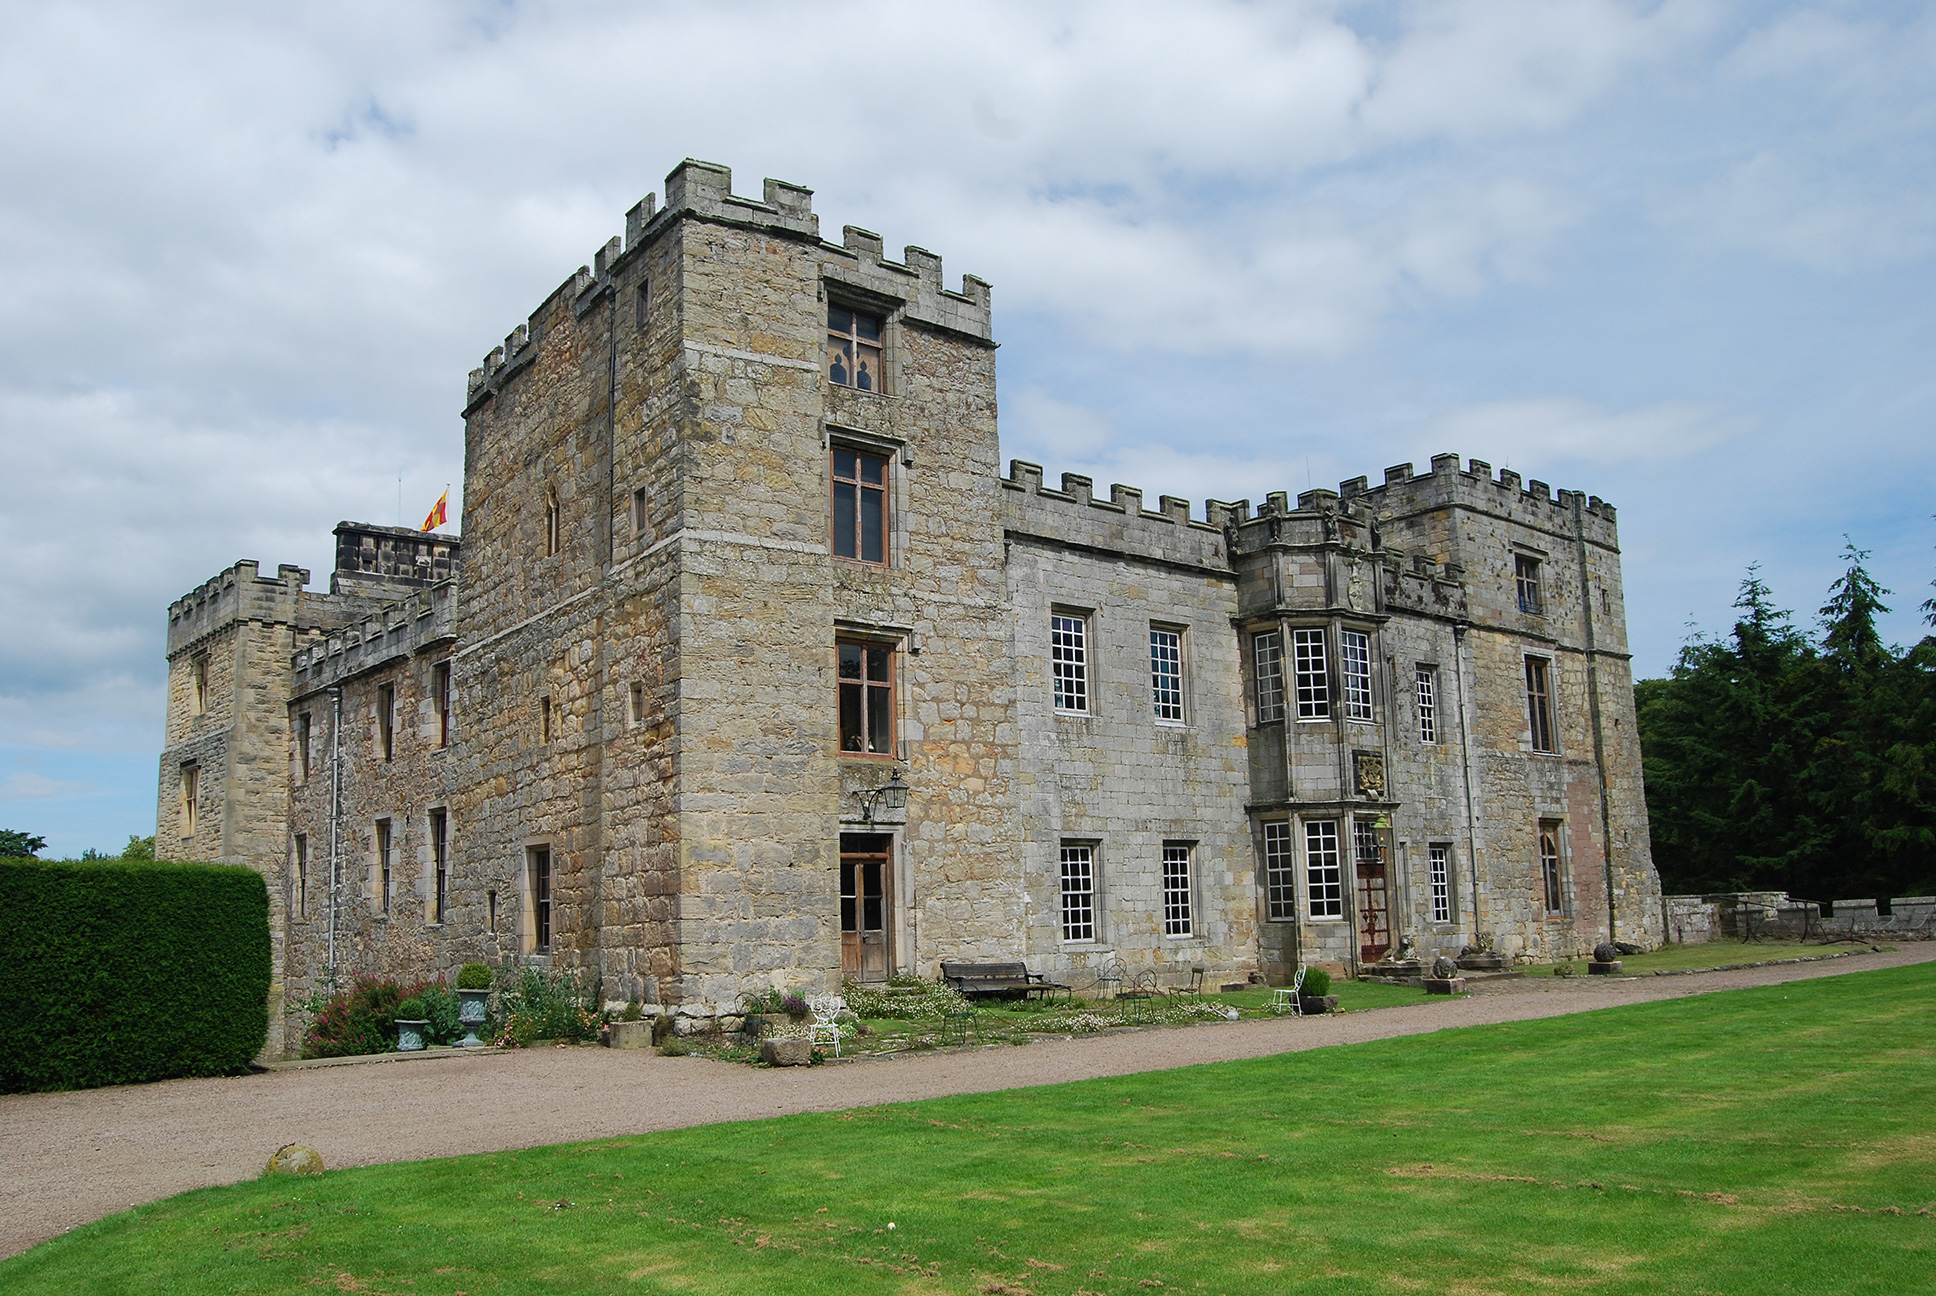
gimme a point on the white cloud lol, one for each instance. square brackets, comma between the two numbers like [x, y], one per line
[1564, 431]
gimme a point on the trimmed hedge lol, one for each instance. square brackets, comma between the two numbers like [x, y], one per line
[118, 972]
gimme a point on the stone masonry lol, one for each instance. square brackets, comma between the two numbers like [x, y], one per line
[624, 724]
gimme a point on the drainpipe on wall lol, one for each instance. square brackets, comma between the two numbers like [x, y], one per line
[335, 817]
[1465, 773]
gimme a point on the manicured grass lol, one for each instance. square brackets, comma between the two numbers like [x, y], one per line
[1757, 1141]
[1720, 953]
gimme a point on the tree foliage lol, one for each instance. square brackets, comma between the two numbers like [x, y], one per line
[1780, 761]
[20, 845]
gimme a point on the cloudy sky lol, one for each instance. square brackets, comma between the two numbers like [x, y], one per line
[1675, 254]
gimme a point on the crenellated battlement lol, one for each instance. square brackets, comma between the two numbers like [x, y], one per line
[396, 630]
[704, 190]
[1534, 503]
[237, 594]
[1119, 524]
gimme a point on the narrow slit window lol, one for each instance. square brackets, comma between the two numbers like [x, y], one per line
[1267, 652]
[639, 520]
[199, 671]
[859, 505]
[440, 864]
[1078, 893]
[1426, 688]
[638, 703]
[440, 685]
[866, 698]
[302, 875]
[386, 721]
[1280, 872]
[303, 744]
[544, 719]
[1177, 918]
[1166, 674]
[1539, 703]
[553, 528]
[1324, 874]
[384, 860]
[854, 349]
[1069, 660]
[1313, 685]
[191, 798]
[540, 887]
[1354, 653]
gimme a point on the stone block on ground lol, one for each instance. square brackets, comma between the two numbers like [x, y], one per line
[1445, 985]
[632, 1034]
[1597, 968]
[295, 1158]
[786, 1052]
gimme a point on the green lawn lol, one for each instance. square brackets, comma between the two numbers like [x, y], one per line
[1757, 1141]
[1720, 953]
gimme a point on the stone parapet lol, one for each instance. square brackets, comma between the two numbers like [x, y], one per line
[398, 629]
[1119, 525]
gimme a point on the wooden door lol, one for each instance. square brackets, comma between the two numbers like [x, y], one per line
[1373, 893]
[865, 880]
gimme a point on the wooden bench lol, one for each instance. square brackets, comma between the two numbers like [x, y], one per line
[1008, 980]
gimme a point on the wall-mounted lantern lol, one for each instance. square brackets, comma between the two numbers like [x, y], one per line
[891, 795]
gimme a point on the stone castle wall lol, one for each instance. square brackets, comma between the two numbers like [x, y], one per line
[646, 563]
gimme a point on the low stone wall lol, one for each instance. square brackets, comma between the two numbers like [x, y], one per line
[1696, 919]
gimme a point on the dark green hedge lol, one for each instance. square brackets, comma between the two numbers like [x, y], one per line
[114, 972]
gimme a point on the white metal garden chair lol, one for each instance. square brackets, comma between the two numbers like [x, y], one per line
[1285, 998]
[824, 1028]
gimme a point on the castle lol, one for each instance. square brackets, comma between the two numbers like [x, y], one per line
[752, 668]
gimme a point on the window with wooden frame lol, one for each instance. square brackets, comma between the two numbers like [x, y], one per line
[1323, 870]
[1439, 854]
[1166, 674]
[440, 865]
[866, 698]
[860, 505]
[440, 689]
[1267, 654]
[384, 859]
[1354, 658]
[1549, 868]
[1078, 892]
[1313, 684]
[1526, 583]
[386, 721]
[302, 875]
[1178, 919]
[1539, 703]
[191, 798]
[538, 893]
[854, 349]
[1280, 872]
[1069, 661]
[1425, 687]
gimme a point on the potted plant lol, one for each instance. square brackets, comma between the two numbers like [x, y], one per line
[413, 1025]
[1316, 999]
[473, 994]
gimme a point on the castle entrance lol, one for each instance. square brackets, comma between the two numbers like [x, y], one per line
[865, 879]
[1373, 893]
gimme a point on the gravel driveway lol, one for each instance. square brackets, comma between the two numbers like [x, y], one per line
[74, 1157]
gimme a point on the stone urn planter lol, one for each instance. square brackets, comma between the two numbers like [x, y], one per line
[411, 1035]
[472, 1006]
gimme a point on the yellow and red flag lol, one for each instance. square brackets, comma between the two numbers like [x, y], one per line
[440, 515]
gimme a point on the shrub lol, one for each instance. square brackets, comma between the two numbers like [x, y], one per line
[440, 1010]
[359, 1020]
[474, 976]
[936, 1000]
[793, 1005]
[540, 1003]
[118, 972]
[1317, 982]
[412, 1009]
